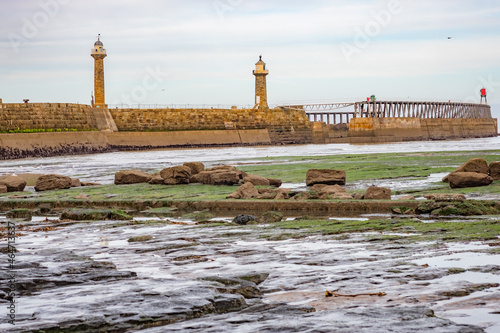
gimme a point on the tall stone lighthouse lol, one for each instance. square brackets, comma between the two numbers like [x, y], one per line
[260, 73]
[99, 53]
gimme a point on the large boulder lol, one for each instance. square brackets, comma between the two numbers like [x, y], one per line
[245, 191]
[216, 177]
[244, 219]
[241, 174]
[256, 180]
[325, 176]
[441, 197]
[377, 193]
[196, 167]
[52, 182]
[495, 170]
[176, 175]
[131, 177]
[478, 165]
[13, 183]
[468, 179]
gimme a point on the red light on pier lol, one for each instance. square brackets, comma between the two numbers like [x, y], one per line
[483, 92]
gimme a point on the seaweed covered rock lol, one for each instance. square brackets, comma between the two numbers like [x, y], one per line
[20, 213]
[131, 177]
[82, 214]
[325, 176]
[460, 208]
[13, 183]
[176, 175]
[445, 197]
[271, 217]
[52, 182]
[468, 179]
[244, 219]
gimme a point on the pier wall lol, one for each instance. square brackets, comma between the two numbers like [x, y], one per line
[46, 117]
[208, 119]
[366, 130]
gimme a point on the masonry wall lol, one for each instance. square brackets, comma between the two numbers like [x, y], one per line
[203, 119]
[23, 145]
[46, 116]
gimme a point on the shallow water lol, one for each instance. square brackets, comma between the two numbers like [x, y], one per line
[102, 167]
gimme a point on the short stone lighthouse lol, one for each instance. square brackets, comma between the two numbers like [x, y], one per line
[260, 73]
[99, 53]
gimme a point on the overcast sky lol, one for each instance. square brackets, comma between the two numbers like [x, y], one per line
[204, 51]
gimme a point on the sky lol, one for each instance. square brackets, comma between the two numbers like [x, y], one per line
[203, 51]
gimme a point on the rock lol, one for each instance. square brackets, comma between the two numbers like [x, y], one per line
[402, 210]
[468, 179]
[199, 216]
[52, 182]
[20, 213]
[243, 219]
[131, 177]
[267, 196]
[44, 208]
[143, 238]
[81, 214]
[13, 183]
[495, 170]
[407, 197]
[275, 182]
[478, 165]
[330, 189]
[176, 175]
[241, 174]
[156, 180]
[75, 182]
[271, 217]
[3, 188]
[325, 176]
[90, 184]
[245, 288]
[282, 194]
[256, 278]
[216, 177]
[377, 193]
[256, 180]
[277, 194]
[245, 191]
[330, 192]
[196, 167]
[358, 196]
[440, 197]
[82, 196]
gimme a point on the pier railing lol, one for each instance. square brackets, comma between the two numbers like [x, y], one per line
[338, 113]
